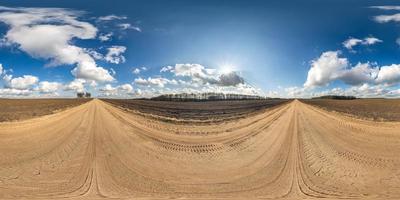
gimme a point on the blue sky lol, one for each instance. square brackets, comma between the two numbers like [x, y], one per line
[127, 49]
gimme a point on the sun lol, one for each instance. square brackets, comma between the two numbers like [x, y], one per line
[226, 68]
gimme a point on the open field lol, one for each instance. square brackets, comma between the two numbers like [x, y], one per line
[205, 111]
[290, 151]
[370, 109]
[20, 109]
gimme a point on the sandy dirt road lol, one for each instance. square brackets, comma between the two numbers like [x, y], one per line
[293, 151]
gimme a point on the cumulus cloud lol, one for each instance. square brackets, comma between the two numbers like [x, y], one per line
[107, 88]
[120, 90]
[389, 74]
[325, 69]
[105, 37]
[114, 54]
[54, 29]
[21, 83]
[76, 85]
[359, 74]
[196, 72]
[329, 67]
[126, 87]
[363, 91]
[14, 92]
[295, 91]
[352, 42]
[157, 81]
[230, 79]
[166, 69]
[48, 87]
[196, 78]
[1, 69]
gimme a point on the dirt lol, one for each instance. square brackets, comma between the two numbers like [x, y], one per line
[369, 109]
[290, 151]
[20, 109]
[200, 112]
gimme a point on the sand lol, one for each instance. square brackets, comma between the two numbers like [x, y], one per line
[291, 151]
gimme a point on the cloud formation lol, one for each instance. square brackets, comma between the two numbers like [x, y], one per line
[114, 54]
[54, 29]
[387, 18]
[352, 42]
[127, 26]
[157, 81]
[386, 7]
[325, 69]
[76, 85]
[330, 67]
[118, 91]
[21, 83]
[111, 17]
[48, 87]
[195, 78]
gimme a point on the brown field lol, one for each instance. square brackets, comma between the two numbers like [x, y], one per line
[369, 109]
[288, 151]
[20, 109]
[189, 112]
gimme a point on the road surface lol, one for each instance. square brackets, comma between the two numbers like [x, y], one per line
[293, 151]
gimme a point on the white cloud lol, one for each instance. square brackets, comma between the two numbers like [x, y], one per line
[158, 81]
[387, 18]
[21, 83]
[325, 69]
[111, 17]
[371, 40]
[126, 87]
[96, 55]
[118, 91]
[48, 87]
[330, 67]
[359, 74]
[349, 43]
[105, 37]
[295, 91]
[389, 74]
[53, 30]
[136, 71]
[90, 71]
[114, 54]
[14, 92]
[126, 26]
[386, 7]
[196, 72]
[364, 91]
[352, 42]
[166, 69]
[1, 69]
[107, 88]
[76, 85]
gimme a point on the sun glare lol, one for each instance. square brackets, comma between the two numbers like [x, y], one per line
[226, 69]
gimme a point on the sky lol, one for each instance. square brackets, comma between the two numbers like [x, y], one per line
[131, 49]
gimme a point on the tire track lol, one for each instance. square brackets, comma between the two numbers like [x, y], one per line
[293, 151]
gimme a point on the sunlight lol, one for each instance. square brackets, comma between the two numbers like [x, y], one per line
[226, 69]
